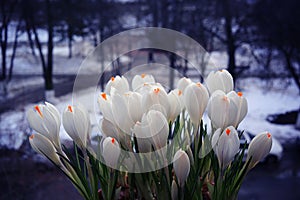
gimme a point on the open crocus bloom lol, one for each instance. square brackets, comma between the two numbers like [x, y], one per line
[259, 148]
[181, 164]
[195, 99]
[139, 80]
[219, 80]
[45, 119]
[226, 145]
[76, 122]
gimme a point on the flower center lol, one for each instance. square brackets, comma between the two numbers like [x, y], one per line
[143, 75]
[103, 95]
[240, 94]
[37, 108]
[112, 78]
[156, 90]
[70, 108]
[113, 140]
[179, 92]
[227, 131]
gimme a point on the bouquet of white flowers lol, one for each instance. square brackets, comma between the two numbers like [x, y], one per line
[154, 144]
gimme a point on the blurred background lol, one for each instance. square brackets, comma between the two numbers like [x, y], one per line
[43, 43]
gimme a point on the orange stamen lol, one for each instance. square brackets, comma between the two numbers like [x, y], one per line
[225, 98]
[240, 94]
[103, 95]
[228, 131]
[70, 108]
[221, 70]
[37, 108]
[179, 92]
[143, 75]
[31, 137]
[112, 78]
[269, 135]
[156, 90]
[113, 140]
[198, 84]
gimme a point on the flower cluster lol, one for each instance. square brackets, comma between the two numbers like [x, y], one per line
[144, 125]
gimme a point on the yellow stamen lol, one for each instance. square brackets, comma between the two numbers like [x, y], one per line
[37, 108]
[70, 108]
[228, 131]
[143, 75]
[31, 137]
[103, 95]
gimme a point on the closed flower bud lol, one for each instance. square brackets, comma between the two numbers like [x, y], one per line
[119, 83]
[43, 145]
[111, 152]
[174, 190]
[104, 102]
[222, 111]
[77, 124]
[195, 99]
[175, 103]
[226, 145]
[181, 165]
[219, 80]
[45, 119]
[259, 148]
[183, 83]
[241, 104]
[109, 129]
[139, 80]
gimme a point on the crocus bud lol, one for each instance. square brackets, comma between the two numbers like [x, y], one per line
[111, 152]
[195, 99]
[174, 190]
[139, 80]
[219, 80]
[134, 103]
[183, 83]
[156, 99]
[104, 102]
[109, 129]
[226, 145]
[222, 111]
[181, 165]
[175, 103]
[119, 83]
[259, 148]
[241, 104]
[43, 145]
[45, 119]
[141, 131]
[76, 122]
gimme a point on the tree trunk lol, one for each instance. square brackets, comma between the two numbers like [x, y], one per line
[229, 39]
[14, 51]
[49, 69]
[290, 67]
[3, 49]
[70, 39]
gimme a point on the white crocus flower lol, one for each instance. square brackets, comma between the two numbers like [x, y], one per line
[134, 104]
[139, 80]
[181, 165]
[111, 152]
[45, 119]
[76, 122]
[109, 129]
[183, 83]
[119, 83]
[195, 99]
[226, 145]
[174, 190]
[43, 145]
[242, 106]
[156, 99]
[104, 102]
[175, 103]
[141, 131]
[222, 111]
[121, 113]
[259, 148]
[219, 80]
